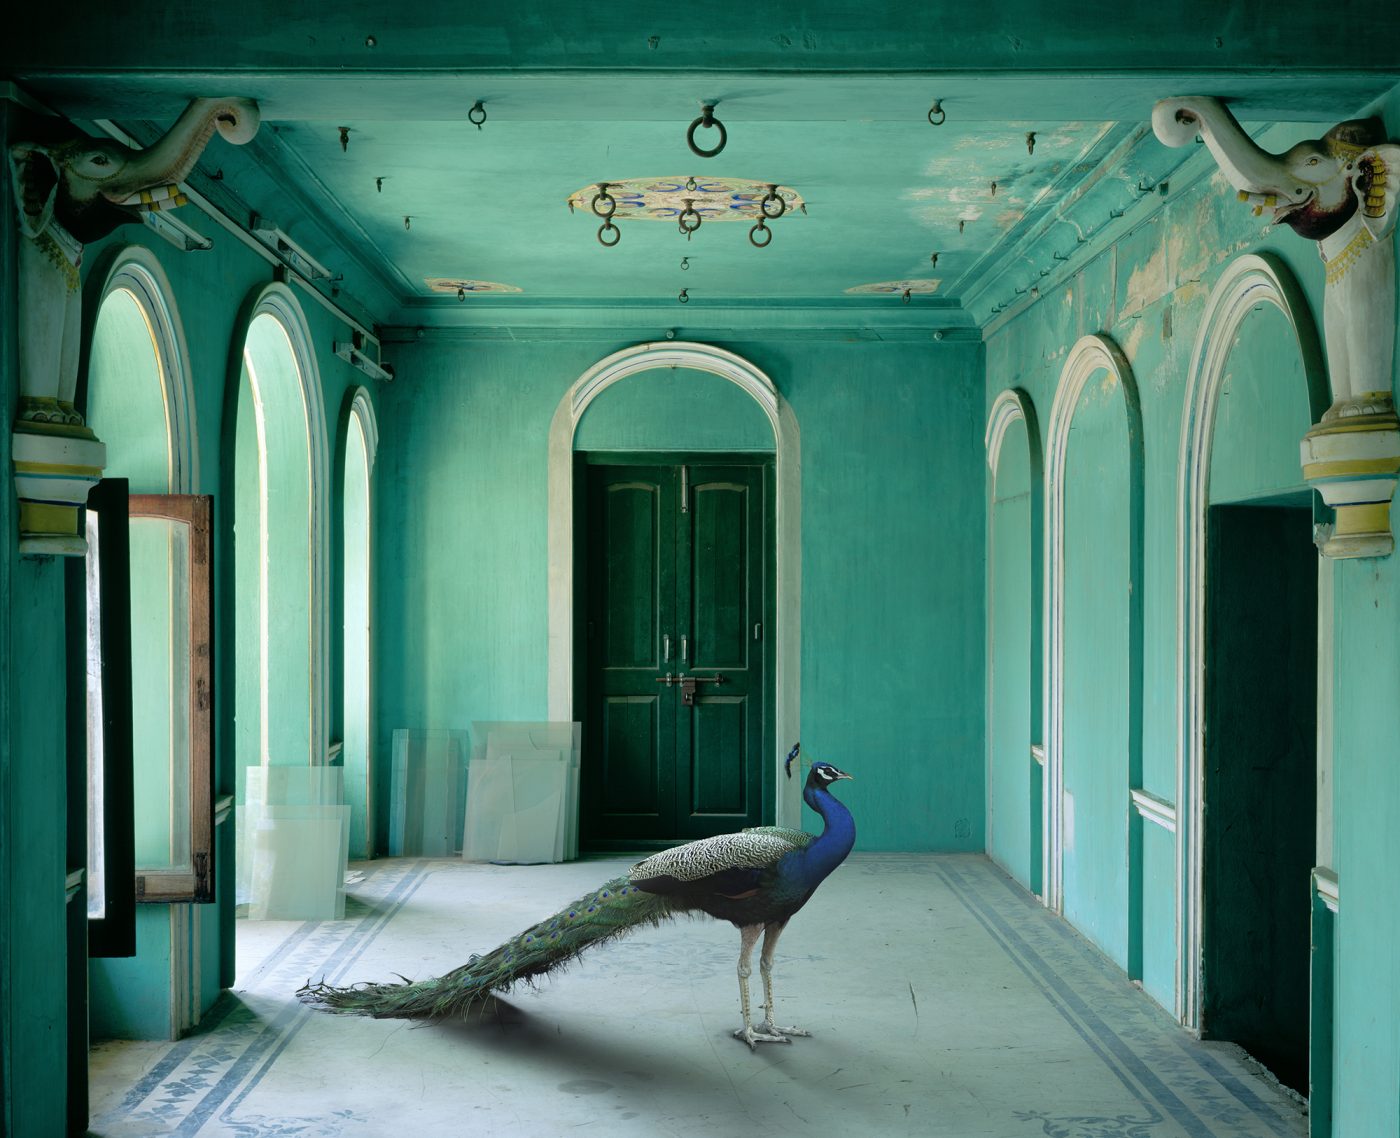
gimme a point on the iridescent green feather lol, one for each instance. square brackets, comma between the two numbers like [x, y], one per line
[600, 916]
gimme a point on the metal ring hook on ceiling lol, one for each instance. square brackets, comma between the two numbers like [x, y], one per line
[707, 120]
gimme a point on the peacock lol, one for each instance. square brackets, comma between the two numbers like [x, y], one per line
[756, 879]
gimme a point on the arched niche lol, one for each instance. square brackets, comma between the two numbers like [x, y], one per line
[359, 442]
[785, 443]
[1257, 301]
[137, 393]
[279, 478]
[1015, 796]
[1093, 598]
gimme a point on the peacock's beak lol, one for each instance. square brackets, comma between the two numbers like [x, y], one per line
[840, 774]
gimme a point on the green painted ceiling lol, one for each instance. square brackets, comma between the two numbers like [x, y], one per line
[831, 100]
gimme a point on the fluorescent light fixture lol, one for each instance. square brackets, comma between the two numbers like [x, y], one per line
[353, 353]
[288, 250]
[176, 231]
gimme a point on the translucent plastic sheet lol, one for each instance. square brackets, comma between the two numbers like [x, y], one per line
[522, 793]
[293, 843]
[426, 792]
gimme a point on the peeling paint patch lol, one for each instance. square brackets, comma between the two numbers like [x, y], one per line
[1147, 283]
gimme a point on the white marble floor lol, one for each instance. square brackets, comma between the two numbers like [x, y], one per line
[942, 1001]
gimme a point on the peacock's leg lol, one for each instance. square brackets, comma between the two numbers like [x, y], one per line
[765, 966]
[751, 1035]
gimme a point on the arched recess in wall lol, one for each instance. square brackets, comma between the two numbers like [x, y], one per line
[279, 540]
[1250, 284]
[359, 432]
[1015, 794]
[140, 402]
[706, 358]
[1093, 656]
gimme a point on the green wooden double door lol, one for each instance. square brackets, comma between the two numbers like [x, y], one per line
[676, 566]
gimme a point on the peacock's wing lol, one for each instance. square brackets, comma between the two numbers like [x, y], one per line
[800, 839]
[728, 864]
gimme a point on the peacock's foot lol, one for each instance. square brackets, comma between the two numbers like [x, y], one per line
[770, 1029]
[763, 1033]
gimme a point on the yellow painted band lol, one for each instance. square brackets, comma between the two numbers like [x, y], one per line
[1366, 517]
[42, 517]
[57, 468]
[1381, 466]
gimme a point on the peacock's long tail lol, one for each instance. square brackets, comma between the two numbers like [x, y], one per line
[602, 915]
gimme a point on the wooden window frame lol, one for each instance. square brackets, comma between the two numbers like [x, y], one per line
[195, 511]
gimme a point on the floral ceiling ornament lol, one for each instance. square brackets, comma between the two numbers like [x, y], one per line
[918, 287]
[686, 202]
[464, 286]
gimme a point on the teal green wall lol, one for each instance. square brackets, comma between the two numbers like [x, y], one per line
[130, 997]
[33, 996]
[1263, 414]
[674, 409]
[1096, 667]
[1367, 802]
[1147, 291]
[1011, 831]
[892, 648]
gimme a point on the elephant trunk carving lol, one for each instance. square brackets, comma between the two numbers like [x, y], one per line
[70, 194]
[1341, 191]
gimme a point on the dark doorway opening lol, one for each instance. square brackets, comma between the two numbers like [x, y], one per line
[674, 574]
[1260, 789]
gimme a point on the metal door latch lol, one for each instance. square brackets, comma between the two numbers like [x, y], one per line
[688, 684]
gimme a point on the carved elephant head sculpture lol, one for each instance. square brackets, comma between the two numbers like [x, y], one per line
[1314, 187]
[91, 186]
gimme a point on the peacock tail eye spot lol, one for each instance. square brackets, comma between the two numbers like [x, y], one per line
[592, 908]
[529, 937]
[572, 914]
[606, 894]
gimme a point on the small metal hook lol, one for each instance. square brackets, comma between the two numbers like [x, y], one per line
[1030, 142]
[937, 109]
[379, 184]
[608, 227]
[685, 264]
[684, 297]
[344, 138]
[906, 296]
[933, 259]
[477, 109]
[407, 222]
[690, 184]
[962, 224]
[461, 294]
[994, 189]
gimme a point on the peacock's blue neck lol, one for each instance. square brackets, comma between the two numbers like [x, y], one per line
[830, 847]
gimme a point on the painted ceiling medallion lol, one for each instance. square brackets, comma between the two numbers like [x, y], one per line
[897, 288]
[664, 199]
[463, 285]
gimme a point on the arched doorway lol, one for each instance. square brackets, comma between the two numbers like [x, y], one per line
[787, 524]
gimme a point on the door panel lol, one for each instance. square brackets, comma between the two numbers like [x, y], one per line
[675, 588]
[720, 758]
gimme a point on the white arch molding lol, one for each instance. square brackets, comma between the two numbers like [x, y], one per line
[1010, 407]
[1090, 354]
[1248, 282]
[137, 270]
[787, 543]
[278, 301]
